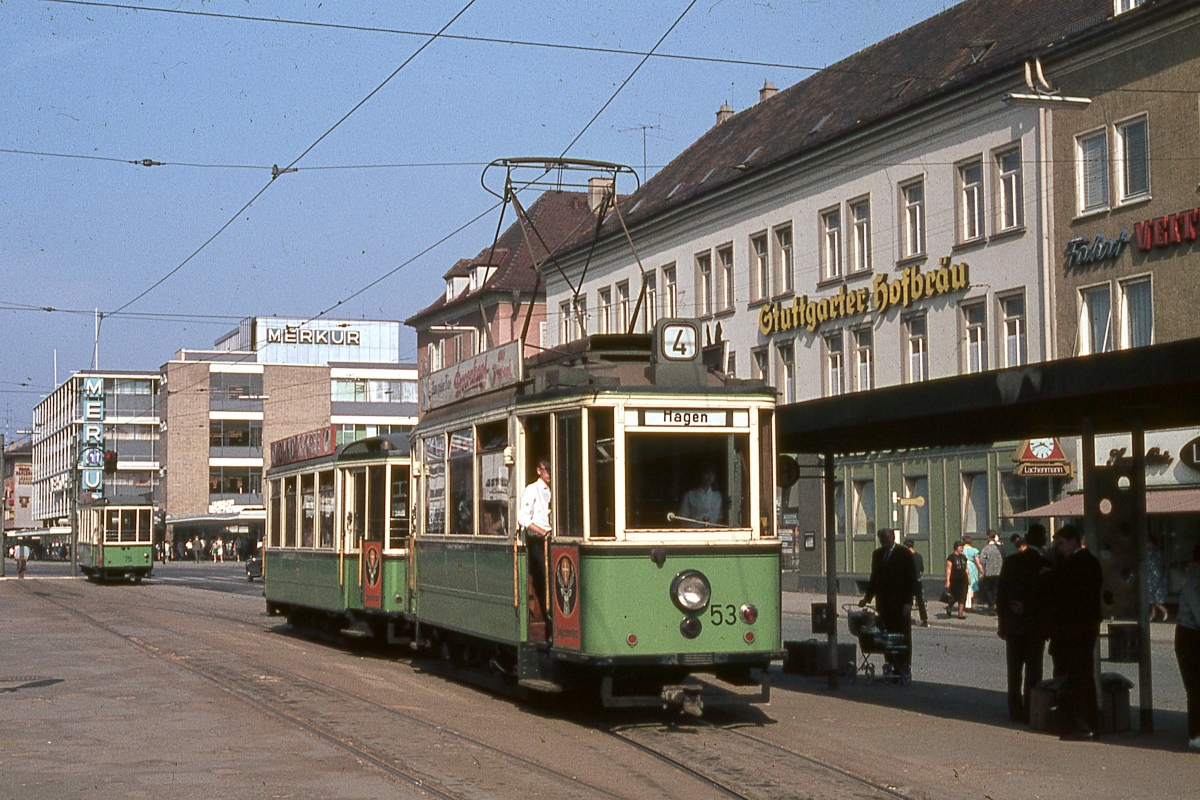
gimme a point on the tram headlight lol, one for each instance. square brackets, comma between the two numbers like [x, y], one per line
[691, 591]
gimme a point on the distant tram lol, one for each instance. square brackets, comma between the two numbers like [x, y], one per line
[663, 561]
[116, 542]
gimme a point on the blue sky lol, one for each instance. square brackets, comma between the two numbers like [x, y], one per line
[234, 96]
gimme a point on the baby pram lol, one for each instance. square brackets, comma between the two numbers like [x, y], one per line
[866, 626]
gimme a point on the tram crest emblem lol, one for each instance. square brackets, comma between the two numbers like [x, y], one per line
[565, 585]
[372, 567]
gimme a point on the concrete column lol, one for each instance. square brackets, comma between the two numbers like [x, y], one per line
[831, 569]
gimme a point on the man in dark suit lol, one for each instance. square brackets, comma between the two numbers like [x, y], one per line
[1076, 581]
[1021, 612]
[892, 586]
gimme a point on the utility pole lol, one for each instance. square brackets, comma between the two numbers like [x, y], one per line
[4, 509]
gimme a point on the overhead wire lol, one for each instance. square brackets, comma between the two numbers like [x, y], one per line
[306, 151]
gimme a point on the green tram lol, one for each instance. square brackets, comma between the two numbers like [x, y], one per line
[663, 563]
[338, 534]
[116, 542]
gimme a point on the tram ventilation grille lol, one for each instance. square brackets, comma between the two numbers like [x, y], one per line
[695, 659]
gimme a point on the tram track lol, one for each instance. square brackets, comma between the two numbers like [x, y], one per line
[737, 771]
[748, 775]
[212, 664]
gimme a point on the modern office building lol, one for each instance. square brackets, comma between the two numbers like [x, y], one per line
[91, 414]
[269, 379]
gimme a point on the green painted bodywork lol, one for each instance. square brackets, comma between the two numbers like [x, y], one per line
[310, 579]
[467, 585]
[116, 558]
[626, 594]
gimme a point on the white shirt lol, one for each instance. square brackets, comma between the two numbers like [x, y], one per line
[535, 506]
[701, 504]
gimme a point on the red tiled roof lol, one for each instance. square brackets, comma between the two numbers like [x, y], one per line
[971, 41]
[558, 217]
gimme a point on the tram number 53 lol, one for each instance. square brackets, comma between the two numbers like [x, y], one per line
[722, 615]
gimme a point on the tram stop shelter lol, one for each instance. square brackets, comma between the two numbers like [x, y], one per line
[1127, 392]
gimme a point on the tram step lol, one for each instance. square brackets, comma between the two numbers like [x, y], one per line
[540, 685]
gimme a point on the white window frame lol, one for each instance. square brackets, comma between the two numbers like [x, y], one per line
[864, 359]
[860, 260]
[670, 291]
[1127, 322]
[1122, 6]
[975, 339]
[622, 306]
[970, 200]
[831, 243]
[760, 265]
[704, 284]
[581, 317]
[564, 331]
[786, 354]
[835, 364]
[1126, 194]
[651, 300]
[916, 348]
[761, 358]
[725, 277]
[731, 363]
[912, 204]
[1010, 211]
[784, 262]
[1014, 328]
[1097, 173]
[604, 310]
[1086, 327]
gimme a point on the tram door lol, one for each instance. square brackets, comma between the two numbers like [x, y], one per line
[366, 494]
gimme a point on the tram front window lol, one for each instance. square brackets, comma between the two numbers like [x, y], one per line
[687, 480]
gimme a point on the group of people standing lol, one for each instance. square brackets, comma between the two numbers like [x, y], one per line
[973, 574]
[1039, 596]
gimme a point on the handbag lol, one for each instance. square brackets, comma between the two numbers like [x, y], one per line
[947, 598]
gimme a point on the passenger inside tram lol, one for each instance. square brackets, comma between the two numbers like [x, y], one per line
[703, 505]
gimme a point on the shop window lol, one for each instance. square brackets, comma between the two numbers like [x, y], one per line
[975, 503]
[916, 518]
[864, 509]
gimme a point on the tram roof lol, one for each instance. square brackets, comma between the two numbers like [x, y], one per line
[389, 444]
[1160, 384]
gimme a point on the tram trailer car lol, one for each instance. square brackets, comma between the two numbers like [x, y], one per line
[663, 561]
[116, 542]
[338, 534]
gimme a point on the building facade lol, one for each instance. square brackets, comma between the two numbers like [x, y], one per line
[497, 297]
[91, 414]
[1127, 224]
[269, 379]
[888, 220]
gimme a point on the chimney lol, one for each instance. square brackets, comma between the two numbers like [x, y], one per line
[767, 91]
[724, 113]
[598, 190]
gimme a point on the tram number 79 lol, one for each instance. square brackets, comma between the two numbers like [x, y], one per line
[722, 615]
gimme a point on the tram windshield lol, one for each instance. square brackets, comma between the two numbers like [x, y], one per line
[687, 480]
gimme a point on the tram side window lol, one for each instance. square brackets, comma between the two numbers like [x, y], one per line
[568, 475]
[377, 497]
[112, 526]
[493, 479]
[145, 529]
[129, 525]
[308, 509]
[766, 475]
[435, 484]
[603, 472]
[398, 527]
[462, 482]
[687, 480]
[273, 530]
[355, 501]
[325, 522]
[289, 512]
